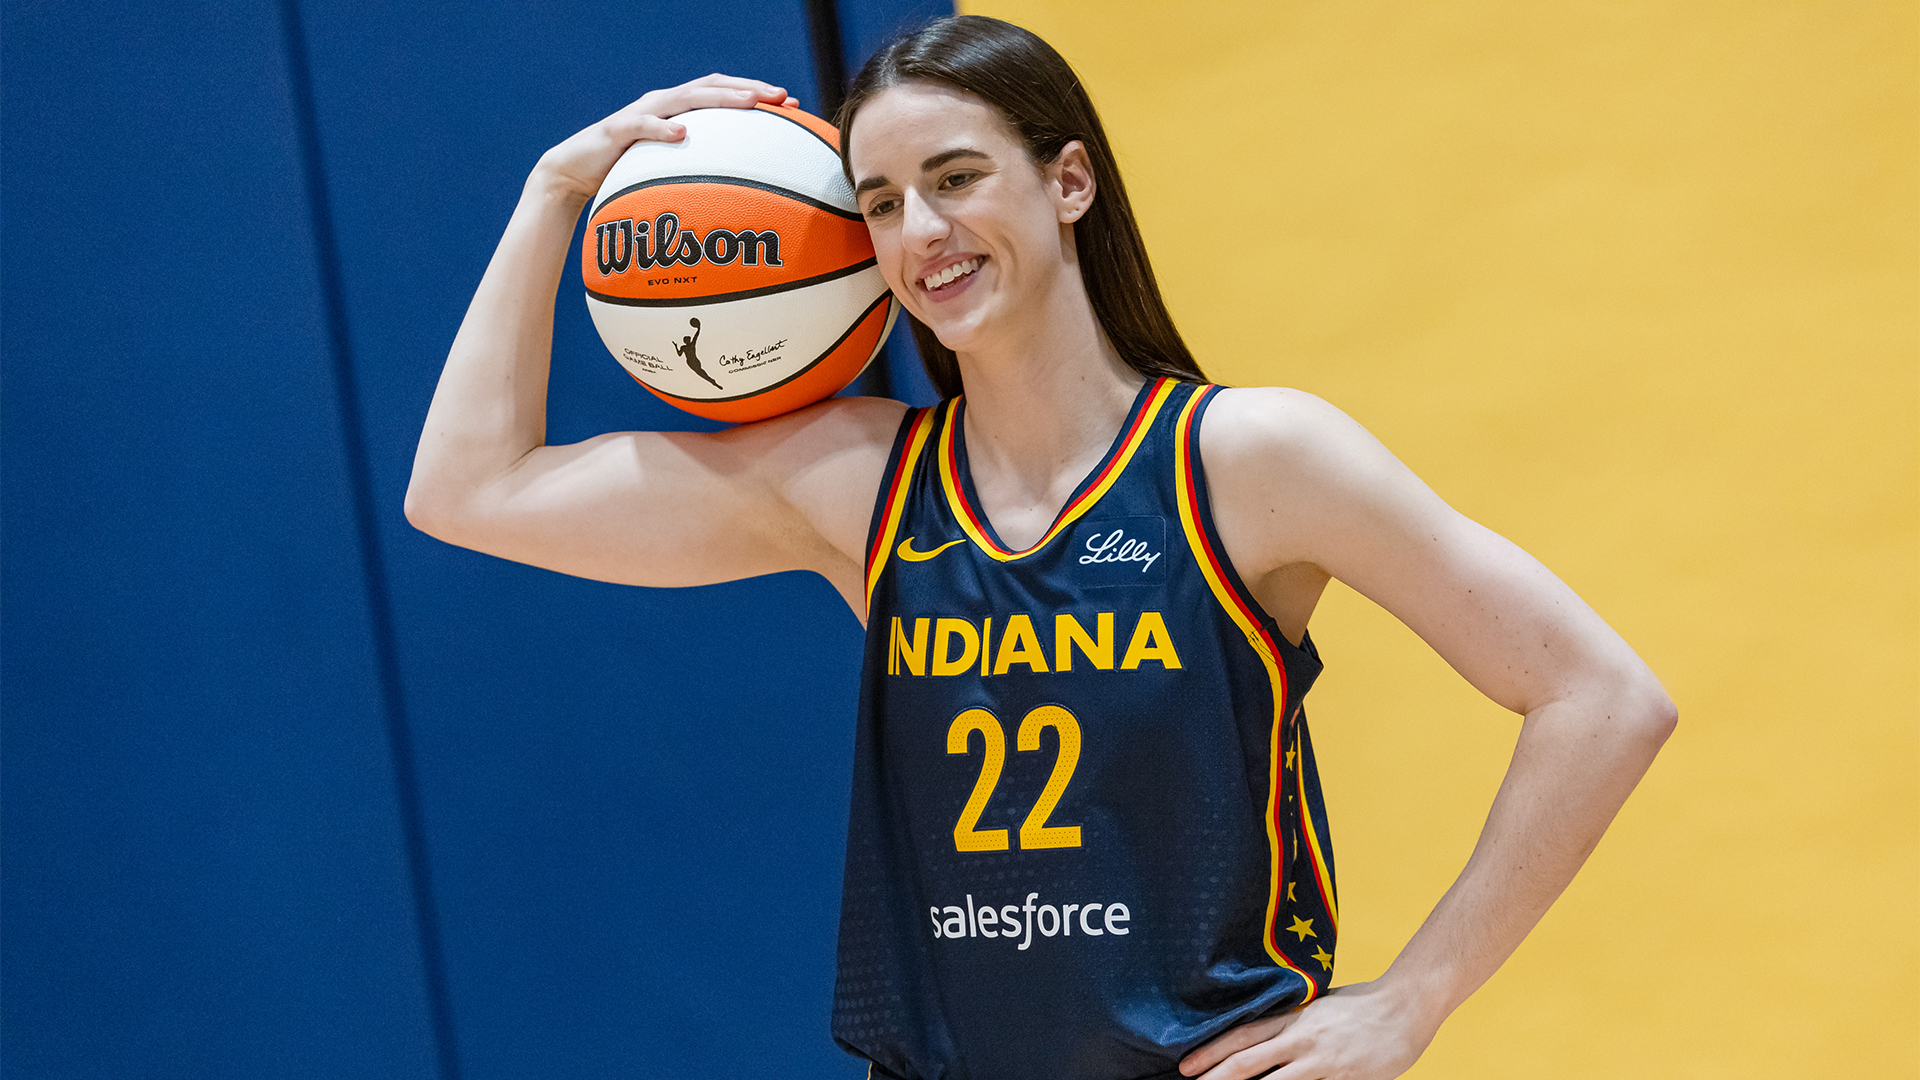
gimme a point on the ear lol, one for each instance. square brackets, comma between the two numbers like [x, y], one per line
[1071, 176]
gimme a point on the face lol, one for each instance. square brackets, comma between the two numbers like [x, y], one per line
[971, 235]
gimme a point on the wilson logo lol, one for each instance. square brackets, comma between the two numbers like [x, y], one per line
[631, 244]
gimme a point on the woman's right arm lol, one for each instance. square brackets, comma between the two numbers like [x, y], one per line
[643, 508]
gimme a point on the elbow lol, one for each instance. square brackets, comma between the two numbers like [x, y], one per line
[1664, 718]
[428, 511]
[415, 507]
[1624, 706]
[1648, 712]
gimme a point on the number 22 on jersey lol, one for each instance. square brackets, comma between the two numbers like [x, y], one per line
[1035, 833]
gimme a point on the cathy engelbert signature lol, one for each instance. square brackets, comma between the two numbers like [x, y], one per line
[752, 358]
[1115, 547]
[735, 362]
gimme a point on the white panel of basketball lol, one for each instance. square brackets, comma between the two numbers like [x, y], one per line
[746, 143]
[732, 340]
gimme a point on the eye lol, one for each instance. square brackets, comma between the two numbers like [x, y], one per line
[881, 207]
[955, 180]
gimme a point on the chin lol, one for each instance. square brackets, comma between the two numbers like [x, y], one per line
[957, 334]
[958, 342]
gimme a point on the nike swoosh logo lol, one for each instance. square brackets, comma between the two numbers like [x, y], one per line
[910, 555]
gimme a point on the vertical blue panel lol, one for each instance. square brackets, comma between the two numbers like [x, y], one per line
[635, 799]
[866, 26]
[203, 873]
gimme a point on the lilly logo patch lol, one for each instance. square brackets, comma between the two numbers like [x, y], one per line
[1121, 551]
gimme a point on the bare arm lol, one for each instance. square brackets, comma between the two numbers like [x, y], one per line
[1302, 492]
[644, 508]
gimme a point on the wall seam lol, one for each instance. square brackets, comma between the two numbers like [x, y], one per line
[830, 79]
[373, 567]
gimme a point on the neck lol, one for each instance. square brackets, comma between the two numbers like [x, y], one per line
[1044, 400]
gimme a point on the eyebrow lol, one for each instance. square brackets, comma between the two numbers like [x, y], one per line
[928, 165]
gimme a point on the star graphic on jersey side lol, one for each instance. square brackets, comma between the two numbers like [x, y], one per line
[1290, 896]
[1289, 759]
[1325, 958]
[1303, 927]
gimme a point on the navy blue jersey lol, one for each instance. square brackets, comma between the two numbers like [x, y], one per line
[1087, 833]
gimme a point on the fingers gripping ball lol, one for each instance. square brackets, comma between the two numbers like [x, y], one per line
[731, 273]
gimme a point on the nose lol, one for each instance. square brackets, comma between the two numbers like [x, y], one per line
[922, 226]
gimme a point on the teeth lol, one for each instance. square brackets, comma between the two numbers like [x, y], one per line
[935, 281]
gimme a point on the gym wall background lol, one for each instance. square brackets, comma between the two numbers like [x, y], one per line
[292, 790]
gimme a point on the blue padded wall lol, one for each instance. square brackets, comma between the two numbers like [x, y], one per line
[203, 874]
[634, 801]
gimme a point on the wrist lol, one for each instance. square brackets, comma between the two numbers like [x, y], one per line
[1424, 998]
[551, 185]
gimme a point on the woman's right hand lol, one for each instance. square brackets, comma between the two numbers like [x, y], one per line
[575, 168]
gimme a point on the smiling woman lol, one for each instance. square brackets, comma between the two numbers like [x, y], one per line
[1088, 545]
[1033, 95]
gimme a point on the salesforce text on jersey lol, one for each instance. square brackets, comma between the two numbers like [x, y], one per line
[1019, 921]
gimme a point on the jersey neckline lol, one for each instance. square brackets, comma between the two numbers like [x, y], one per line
[956, 477]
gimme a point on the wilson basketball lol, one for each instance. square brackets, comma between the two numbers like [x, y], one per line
[730, 273]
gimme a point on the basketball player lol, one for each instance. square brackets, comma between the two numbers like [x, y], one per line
[1087, 836]
[686, 350]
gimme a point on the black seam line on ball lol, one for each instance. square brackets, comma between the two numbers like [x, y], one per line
[721, 298]
[815, 362]
[808, 130]
[735, 181]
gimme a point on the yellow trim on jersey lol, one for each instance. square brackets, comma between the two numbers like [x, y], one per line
[1073, 510]
[1190, 523]
[902, 483]
[1325, 882]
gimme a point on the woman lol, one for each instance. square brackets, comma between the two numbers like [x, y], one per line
[1091, 556]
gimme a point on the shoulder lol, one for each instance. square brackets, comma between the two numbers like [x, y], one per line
[836, 431]
[1279, 433]
[1292, 479]
[826, 461]
[1270, 412]
[850, 421]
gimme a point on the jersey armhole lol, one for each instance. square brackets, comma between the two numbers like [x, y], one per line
[894, 482]
[1211, 548]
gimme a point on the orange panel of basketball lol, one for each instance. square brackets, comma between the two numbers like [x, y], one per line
[825, 131]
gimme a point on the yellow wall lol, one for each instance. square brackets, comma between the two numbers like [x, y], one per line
[1635, 285]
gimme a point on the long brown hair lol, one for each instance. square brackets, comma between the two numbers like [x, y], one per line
[1032, 86]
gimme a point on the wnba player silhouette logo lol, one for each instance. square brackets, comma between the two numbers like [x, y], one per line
[685, 348]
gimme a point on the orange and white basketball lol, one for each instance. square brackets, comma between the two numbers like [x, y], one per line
[731, 273]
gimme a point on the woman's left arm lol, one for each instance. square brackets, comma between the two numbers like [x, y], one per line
[1299, 492]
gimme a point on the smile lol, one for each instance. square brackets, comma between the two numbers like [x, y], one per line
[950, 274]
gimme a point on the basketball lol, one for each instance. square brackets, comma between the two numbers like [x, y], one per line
[730, 273]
